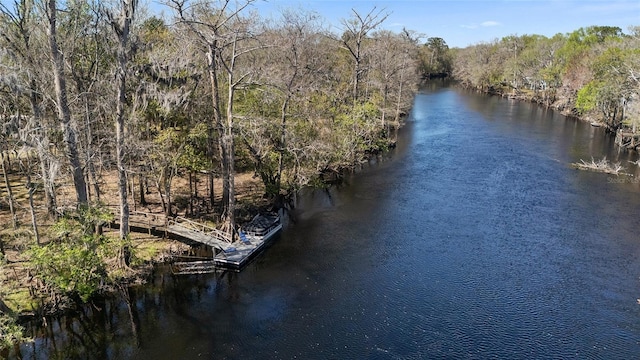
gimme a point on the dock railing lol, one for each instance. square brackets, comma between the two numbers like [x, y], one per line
[202, 228]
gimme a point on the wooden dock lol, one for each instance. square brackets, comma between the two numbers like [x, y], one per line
[178, 228]
[193, 267]
[246, 249]
[228, 254]
[627, 140]
[200, 233]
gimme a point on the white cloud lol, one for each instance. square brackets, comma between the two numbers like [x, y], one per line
[482, 24]
[490, 23]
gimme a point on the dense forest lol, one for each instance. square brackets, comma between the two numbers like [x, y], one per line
[592, 73]
[104, 104]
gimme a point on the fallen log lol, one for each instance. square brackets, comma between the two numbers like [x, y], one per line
[603, 166]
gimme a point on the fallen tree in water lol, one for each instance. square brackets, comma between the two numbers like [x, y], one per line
[603, 166]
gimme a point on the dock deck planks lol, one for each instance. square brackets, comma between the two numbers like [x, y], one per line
[198, 236]
[231, 254]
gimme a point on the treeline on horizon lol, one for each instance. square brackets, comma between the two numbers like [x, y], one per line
[592, 72]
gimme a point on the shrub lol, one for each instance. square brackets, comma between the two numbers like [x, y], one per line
[72, 266]
[10, 332]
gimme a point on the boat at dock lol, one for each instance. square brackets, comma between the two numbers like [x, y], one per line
[253, 237]
[229, 251]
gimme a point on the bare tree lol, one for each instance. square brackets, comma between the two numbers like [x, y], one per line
[356, 30]
[391, 58]
[290, 69]
[121, 25]
[18, 37]
[87, 43]
[10, 198]
[26, 167]
[64, 113]
[221, 33]
[297, 46]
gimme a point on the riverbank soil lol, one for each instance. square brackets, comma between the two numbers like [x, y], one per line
[18, 283]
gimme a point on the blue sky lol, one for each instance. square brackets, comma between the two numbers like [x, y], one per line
[464, 22]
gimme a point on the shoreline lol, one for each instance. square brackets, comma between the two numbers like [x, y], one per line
[22, 294]
[154, 251]
[560, 104]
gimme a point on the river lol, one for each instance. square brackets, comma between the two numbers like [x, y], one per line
[474, 239]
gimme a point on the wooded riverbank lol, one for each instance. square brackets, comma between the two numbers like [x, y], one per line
[210, 94]
[212, 98]
[349, 278]
[591, 73]
[625, 137]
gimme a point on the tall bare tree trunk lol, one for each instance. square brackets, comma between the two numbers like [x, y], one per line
[12, 208]
[159, 186]
[385, 95]
[31, 188]
[230, 204]
[358, 27]
[190, 207]
[122, 174]
[122, 26]
[217, 124]
[91, 169]
[47, 168]
[64, 114]
[132, 188]
[283, 137]
[216, 38]
[167, 193]
[42, 143]
[141, 178]
[212, 123]
[210, 179]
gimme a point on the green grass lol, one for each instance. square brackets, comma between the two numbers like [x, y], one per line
[147, 251]
[20, 301]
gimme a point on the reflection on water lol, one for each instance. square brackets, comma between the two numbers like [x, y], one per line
[475, 240]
